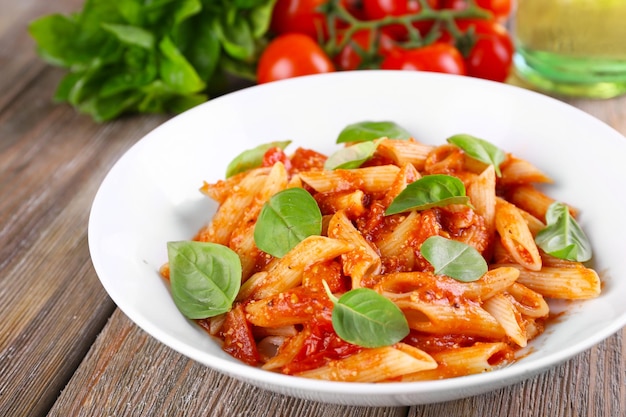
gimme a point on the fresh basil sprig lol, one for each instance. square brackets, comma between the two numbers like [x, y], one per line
[352, 156]
[285, 220]
[252, 158]
[563, 237]
[365, 318]
[480, 150]
[129, 56]
[436, 190]
[454, 259]
[204, 277]
[368, 130]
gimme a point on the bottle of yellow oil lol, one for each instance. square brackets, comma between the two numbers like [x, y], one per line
[572, 47]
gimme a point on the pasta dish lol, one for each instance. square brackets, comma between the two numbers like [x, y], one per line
[390, 260]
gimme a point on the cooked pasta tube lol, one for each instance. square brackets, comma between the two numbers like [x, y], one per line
[405, 152]
[222, 189]
[362, 261]
[371, 179]
[519, 171]
[443, 316]
[573, 283]
[286, 272]
[231, 211]
[530, 303]
[504, 311]
[375, 365]
[463, 361]
[482, 193]
[516, 236]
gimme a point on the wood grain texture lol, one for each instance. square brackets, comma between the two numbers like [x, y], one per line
[51, 162]
[589, 385]
[51, 301]
[18, 60]
[128, 373]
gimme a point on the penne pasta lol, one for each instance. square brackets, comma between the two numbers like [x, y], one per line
[375, 365]
[572, 283]
[463, 361]
[517, 171]
[528, 198]
[505, 313]
[515, 235]
[403, 152]
[375, 179]
[286, 273]
[294, 303]
[362, 261]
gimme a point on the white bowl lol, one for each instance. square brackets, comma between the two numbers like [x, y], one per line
[151, 197]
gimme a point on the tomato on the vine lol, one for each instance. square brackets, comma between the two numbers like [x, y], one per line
[379, 9]
[298, 16]
[491, 53]
[491, 57]
[501, 9]
[349, 57]
[292, 55]
[355, 8]
[437, 57]
[486, 46]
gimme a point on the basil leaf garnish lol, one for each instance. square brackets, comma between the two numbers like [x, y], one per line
[366, 131]
[351, 156]
[365, 318]
[563, 238]
[480, 149]
[454, 259]
[286, 219]
[204, 277]
[429, 191]
[252, 158]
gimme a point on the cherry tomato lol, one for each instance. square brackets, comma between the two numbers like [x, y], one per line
[350, 59]
[490, 57]
[292, 55]
[378, 9]
[437, 57]
[355, 8]
[299, 16]
[501, 9]
[488, 52]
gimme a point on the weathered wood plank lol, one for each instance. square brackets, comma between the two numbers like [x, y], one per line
[591, 384]
[129, 373]
[52, 305]
[18, 60]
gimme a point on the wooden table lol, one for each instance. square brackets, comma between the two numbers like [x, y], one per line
[65, 350]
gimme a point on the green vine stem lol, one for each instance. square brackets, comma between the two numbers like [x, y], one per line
[446, 19]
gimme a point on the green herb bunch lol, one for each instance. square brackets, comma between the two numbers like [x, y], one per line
[139, 56]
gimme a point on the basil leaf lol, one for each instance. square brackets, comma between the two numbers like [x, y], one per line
[365, 318]
[365, 131]
[176, 71]
[236, 37]
[252, 158]
[429, 191]
[192, 48]
[563, 237]
[131, 35]
[285, 220]
[204, 277]
[454, 259]
[480, 149]
[351, 156]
